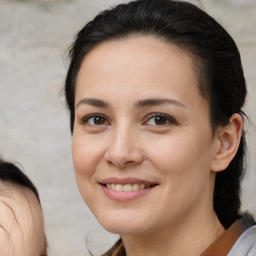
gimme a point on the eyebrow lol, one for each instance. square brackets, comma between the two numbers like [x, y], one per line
[139, 104]
[157, 102]
[93, 102]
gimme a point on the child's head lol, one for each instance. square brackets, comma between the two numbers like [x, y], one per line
[21, 217]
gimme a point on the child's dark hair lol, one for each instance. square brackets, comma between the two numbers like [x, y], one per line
[11, 173]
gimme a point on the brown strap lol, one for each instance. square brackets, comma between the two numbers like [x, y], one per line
[223, 245]
[116, 250]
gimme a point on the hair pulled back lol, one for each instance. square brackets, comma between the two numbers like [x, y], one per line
[216, 61]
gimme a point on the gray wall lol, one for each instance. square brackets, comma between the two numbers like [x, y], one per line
[34, 127]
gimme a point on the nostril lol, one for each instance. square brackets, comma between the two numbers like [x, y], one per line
[119, 160]
[121, 164]
[122, 154]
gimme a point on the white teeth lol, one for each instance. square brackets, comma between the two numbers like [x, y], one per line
[119, 187]
[142, 186]
[135, 187]
[127, 187]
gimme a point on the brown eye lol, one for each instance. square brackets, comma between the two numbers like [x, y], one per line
[95, 120]
[160, 119]
[98, 120]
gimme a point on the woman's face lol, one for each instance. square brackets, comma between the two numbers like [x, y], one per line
[143, 147]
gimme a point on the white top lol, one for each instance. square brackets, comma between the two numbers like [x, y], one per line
[245, 244]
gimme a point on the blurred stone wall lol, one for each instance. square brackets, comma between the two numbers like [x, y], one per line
[34, 126]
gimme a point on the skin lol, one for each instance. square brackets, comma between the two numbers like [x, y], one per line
[180, 153]
[21, 222]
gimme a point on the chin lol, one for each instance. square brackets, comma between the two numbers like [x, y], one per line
[123, 229]
[121, 225]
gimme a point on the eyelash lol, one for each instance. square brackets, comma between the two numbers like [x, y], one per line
[166, 118]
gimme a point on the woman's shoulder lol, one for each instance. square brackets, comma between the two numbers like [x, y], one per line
[238, 240]
[246, 243]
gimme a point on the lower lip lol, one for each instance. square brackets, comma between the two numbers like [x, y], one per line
[123, 196]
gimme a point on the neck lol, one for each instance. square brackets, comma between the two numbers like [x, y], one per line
[186, 238]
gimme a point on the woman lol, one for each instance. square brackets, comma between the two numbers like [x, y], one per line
[155, 91]
[21, 217]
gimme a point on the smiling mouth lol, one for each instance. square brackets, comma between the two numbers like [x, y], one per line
[128, 187]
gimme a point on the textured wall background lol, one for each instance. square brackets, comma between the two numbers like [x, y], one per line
[34, 127]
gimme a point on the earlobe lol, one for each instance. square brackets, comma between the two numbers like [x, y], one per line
[228, 140]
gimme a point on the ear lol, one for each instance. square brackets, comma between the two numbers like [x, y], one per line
[227, 143]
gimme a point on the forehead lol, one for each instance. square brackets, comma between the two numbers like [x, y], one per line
[137, 63]
[144, 51]
[21, 217]
[18, 196]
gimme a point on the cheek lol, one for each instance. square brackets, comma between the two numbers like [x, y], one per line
[88, 154]
[84, 156]
[182, 156]
[184, 166]
[170, 151]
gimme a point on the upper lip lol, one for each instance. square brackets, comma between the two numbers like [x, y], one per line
[114, 180]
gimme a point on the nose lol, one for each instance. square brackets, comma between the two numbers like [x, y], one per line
[124, 150]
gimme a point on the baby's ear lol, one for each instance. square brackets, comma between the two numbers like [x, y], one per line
[228, 140]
